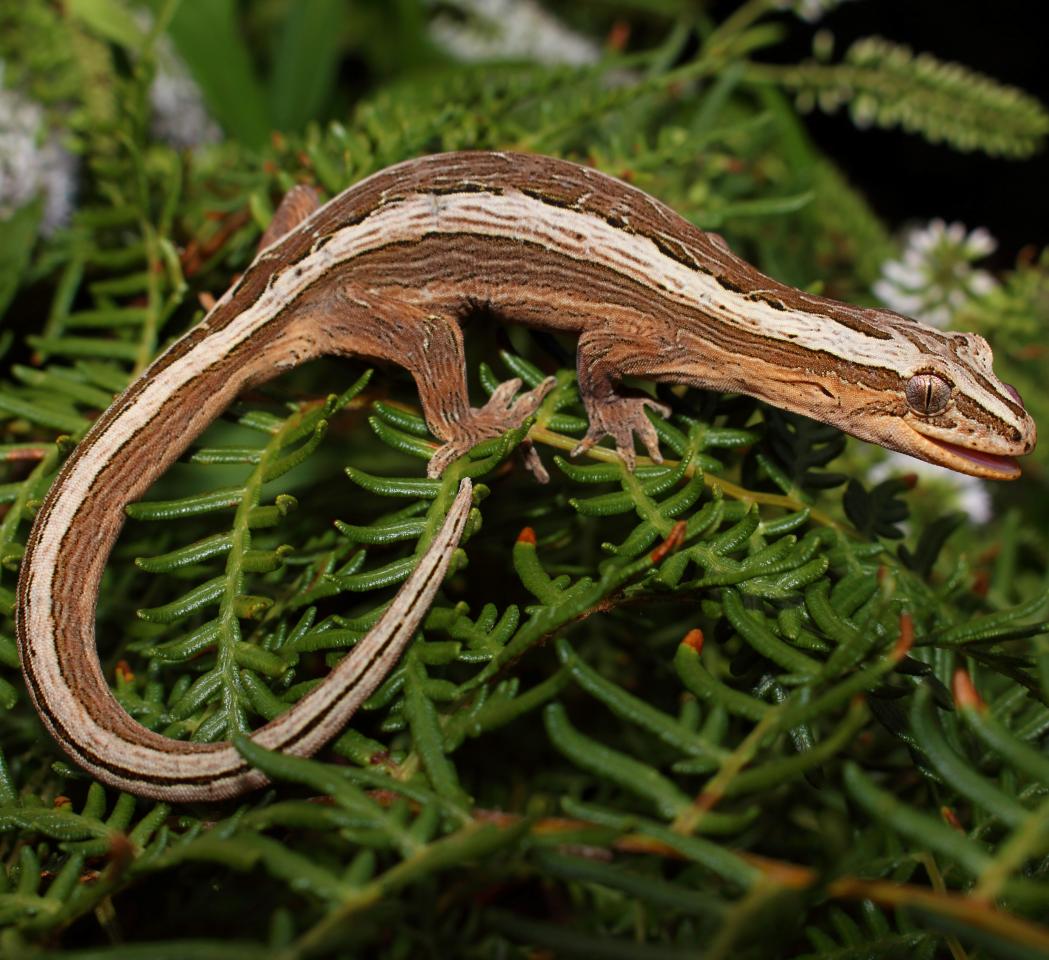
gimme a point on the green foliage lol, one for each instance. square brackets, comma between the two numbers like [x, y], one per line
[305, 64]
[49, 56]
[16, 246]
[799, 447]
[706, 705]
[886, 85]
[878, 511]
[208, 36]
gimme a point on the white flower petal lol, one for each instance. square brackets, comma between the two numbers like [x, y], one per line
[33, 162]
[511, 29]
[915, 258]
[981, 243]
[903, 275]
[982, 283]
[896, 299]
[935, 317]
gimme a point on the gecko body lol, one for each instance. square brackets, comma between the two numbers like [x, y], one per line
[386, 270]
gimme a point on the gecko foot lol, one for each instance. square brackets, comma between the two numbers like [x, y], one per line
[502, 412]
[620, 418]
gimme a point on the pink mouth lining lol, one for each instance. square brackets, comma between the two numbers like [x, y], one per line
[1005, 467]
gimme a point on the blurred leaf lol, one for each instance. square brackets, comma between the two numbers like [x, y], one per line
[307, 57]
[931, 542]
[799, 446]
[17, 236]
[878, 511]
[110, 19]
[886, 84]
[208, 37]
[391, 35]
[764, 207]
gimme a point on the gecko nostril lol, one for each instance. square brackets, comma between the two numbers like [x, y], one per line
[1014, 393]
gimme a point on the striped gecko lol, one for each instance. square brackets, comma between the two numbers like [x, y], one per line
[386, 270]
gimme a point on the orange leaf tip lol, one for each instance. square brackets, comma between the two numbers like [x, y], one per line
[694, 639]
[906, 638]
[674, 539]
[965, 695]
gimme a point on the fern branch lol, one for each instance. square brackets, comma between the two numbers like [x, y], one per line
[887, 85]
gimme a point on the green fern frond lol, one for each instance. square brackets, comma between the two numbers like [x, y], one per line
[213, 706]
[886, 85]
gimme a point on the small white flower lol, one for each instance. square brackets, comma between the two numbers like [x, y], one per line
[935, 276]
[33, 163]
[511, 30]
[180, 118]
[981, 243]
[982, 283]
[810, 10]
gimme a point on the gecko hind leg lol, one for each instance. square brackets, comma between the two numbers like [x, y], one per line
[620, 418]
[503, 411]
[430, 347]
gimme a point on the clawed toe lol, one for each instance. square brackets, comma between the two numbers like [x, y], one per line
[503, 411]
[620, 418]
[527, 404]
[503, 395]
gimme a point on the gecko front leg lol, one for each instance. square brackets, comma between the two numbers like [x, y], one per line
[602, 359]
[429, 346]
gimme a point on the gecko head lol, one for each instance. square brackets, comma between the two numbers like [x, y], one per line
[950, 409]
[920, 391]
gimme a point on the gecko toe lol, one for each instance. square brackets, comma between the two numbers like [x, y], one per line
[650, 439]
[503, 395]
[503, 411]
[621, 418]
[527, 404]
[534, 464]
[626, 452]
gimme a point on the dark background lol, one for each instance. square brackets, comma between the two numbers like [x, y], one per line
[906, 178]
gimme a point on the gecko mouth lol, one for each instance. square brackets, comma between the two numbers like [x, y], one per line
[978, 463]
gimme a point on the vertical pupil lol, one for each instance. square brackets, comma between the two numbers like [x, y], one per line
[927, 393]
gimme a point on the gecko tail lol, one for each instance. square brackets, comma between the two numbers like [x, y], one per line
[326, 709]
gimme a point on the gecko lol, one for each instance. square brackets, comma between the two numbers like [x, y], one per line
[386, 271]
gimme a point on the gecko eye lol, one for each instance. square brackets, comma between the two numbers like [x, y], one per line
[928, 393]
